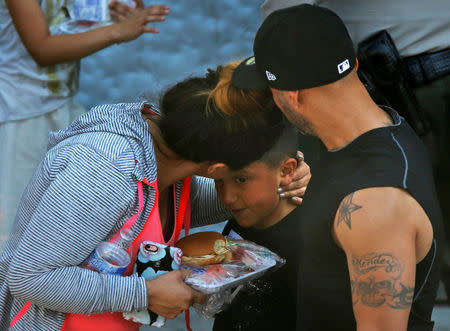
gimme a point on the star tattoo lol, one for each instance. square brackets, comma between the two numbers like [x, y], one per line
[346, 208]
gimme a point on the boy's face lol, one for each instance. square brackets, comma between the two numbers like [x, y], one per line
[250, 193]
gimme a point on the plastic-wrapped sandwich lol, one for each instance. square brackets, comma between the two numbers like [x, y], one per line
[222, 266]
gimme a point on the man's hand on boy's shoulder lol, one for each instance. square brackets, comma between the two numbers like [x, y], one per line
[296, 190]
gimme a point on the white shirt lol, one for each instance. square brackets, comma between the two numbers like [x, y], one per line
[26, 89]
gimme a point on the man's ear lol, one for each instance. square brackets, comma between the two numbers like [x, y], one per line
[286, 98]
[292, 96]
[287, 170]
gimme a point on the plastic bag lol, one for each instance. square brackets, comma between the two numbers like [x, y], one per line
[223, 281]
[85, 15]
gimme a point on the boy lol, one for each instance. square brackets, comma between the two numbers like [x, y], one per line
[251, 194]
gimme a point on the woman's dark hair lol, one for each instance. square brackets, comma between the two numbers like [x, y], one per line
[208, 119]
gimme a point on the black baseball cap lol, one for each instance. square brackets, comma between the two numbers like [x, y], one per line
[295, 48]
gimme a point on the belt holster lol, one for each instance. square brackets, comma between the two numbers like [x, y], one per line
[385, 77]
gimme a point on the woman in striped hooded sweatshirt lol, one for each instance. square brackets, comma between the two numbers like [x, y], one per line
[126, 165]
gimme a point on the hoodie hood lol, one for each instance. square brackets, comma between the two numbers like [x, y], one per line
[123, 120]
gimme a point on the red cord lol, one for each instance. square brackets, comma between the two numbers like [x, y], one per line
[188, 320]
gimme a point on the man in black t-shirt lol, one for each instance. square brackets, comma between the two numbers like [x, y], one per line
[371, 227]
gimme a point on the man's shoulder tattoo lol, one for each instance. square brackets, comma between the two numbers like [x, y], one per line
[346, 208]
[376, 281]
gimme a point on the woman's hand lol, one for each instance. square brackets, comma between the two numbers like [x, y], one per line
[168, 295]
[296, 190]
[120, 11]
[133, 21]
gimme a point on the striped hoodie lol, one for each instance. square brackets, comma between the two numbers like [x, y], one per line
[83, 191]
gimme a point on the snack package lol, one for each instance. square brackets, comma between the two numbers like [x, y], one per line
[86, 15]
[223, 281]
[153, 260]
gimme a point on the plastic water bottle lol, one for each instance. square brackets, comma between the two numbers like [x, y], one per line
[111, 257]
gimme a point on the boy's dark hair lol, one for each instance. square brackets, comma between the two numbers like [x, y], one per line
[207, 119]
[286, 146]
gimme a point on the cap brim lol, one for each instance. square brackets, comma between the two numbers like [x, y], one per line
[246, 76]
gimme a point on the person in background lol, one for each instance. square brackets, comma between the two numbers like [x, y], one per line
[420, 32]
[260, 216]
[370, 234]
[125, 166]
[38, 81]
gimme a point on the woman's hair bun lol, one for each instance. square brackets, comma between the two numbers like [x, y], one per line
[213, 76]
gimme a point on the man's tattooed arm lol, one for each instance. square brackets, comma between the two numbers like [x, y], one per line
[346, 208]
[376, 281]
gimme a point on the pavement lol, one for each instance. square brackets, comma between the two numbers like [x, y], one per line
[441, 317]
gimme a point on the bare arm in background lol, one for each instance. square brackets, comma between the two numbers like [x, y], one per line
[47, 49]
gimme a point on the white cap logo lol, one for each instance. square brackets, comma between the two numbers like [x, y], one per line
[343, 66]
[270, 76]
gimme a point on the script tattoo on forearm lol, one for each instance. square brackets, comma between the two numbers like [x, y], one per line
[346, 208]
[377, 281]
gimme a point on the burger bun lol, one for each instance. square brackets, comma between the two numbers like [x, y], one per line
[203, 248]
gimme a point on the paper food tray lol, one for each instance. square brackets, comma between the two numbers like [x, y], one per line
[214, 288]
